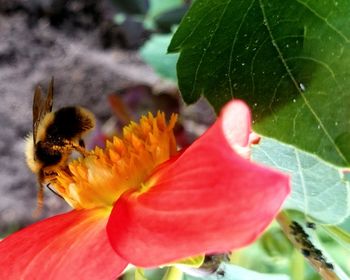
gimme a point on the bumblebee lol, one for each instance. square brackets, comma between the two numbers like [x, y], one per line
[55, 136]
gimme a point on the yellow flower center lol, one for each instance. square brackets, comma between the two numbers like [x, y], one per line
[100, 178]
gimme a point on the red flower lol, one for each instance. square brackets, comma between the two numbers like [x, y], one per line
[159, 205]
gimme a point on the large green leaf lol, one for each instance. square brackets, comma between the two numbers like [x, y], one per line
[288, 59]
[318, 189]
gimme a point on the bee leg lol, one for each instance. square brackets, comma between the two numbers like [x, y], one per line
[70, 145]
[79, 148]
[53, 190]
[50, 177]
[40, 195]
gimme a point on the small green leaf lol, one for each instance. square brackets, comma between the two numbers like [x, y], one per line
[318, 189]
[297, 263]
[233, 272]
[159, 6]
[196, 261]
[288, 59]
[154, 53]
[140, 274]
[340, 235]
[155, 273]
[173, 273]
[275, 243]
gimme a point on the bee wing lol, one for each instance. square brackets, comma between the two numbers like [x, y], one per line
[37, 104]
[49, 98]
[41, 106]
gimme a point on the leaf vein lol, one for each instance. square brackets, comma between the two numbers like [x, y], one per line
[206, 49]
[336, 30]
[234, 44]
[323, 64]
[302, 180]
[296, 84]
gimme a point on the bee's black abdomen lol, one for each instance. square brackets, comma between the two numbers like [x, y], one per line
[69, 122]
[47, 156]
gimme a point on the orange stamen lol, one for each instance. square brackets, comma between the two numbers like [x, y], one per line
[100, 178]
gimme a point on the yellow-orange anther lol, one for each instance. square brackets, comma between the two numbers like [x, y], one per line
[100, 178]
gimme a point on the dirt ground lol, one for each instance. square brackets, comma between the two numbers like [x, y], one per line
[84, 72]
[87, 57]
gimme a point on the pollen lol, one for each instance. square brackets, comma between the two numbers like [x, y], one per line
[99, 179]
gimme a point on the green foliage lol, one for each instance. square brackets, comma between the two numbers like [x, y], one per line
[275, 260]
[232, 272]
[318, 189]
[275, 243]
[155, 14]
[196, 261]
[154, 53]
[340, 235]
[288, 59]
[157, 7]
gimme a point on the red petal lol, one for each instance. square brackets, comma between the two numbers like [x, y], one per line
[234, 123]
[68, 246]
[207, 200]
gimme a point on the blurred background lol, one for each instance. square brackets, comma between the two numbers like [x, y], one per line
[108, 56]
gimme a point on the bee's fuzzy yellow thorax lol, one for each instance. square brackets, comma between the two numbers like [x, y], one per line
[100, 178]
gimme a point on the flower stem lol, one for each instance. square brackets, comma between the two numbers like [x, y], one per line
[173, 273]
[303, 244]
[140, 274]
[297, 266]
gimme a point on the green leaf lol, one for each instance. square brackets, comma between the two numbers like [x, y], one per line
[173, 273]
[346, 225]
[342, 236]
[318, 189]
[154, 53]
[159, 6]
[297, 266]
[288, 59]
[275, 243]
[232, 272]
[154, 274]
[140, 274]
[196, 261]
